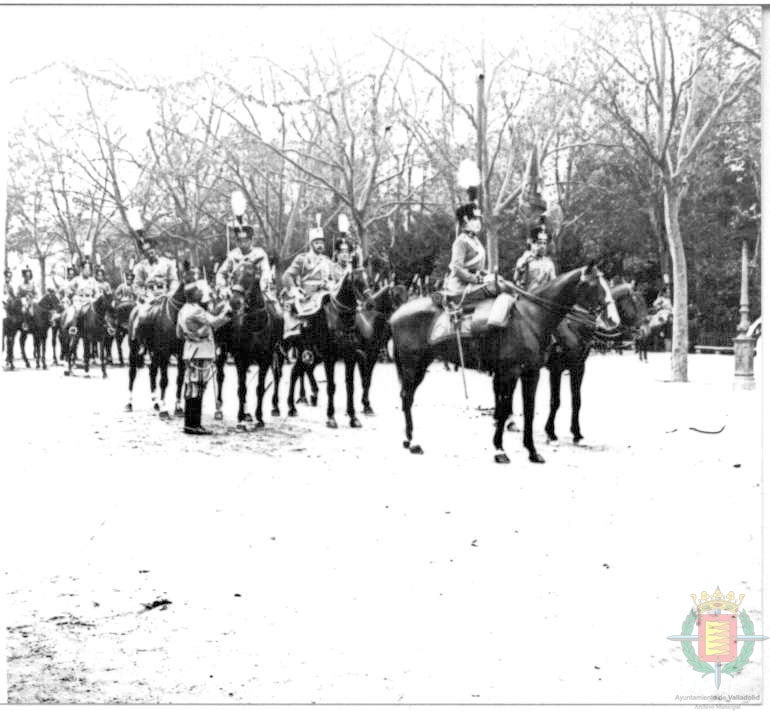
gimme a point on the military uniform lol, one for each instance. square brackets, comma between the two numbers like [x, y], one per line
[124, 293]
[466, 267]
[196, 327]
[27, 292]
[314, 274]
[162, 271]
[235, 257]
[103, 287]
[532, 272]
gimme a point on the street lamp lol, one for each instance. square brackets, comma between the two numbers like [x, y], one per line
[743, 343]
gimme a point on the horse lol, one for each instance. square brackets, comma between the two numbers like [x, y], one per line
[252, 337]
[89, 324]
[42, 315]
[331, 334]
[14, 316]
[372, 323]
[123, 311]
[515, 351]
[155, 330]
[573, 341]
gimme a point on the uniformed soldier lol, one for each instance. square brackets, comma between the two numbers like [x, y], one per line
[467, 276]
[535, 268]
[662, 302]
[103, 286]
[125, 292]
[309, 276]
[83, 289]
[8, 291]
[27, 292]
[342, 260]
[246, 250]
[196, 326]
[155, 276]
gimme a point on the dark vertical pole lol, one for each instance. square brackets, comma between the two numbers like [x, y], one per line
[482, 158]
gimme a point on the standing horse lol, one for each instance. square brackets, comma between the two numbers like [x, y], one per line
[372, 323]
[42, 314]
[252, 337]
[123, 311]
[89, 324]
[12, 321]
[515, 351]
[574, 338]
[155, 330]
[331, 334]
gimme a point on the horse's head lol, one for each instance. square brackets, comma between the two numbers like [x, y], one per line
[631, 306]
[245, 282]
[354, 287]
[594, 295]
[14, 306]
[50, 301]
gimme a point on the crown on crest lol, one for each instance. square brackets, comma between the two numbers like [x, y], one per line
[717, 601]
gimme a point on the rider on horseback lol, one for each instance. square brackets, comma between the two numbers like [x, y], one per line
[27, 292]
[342, 260]
[8, 292]
[245, 251]
[307, 280]
[83, 289]
[125, 292]
[534, 268]
[467, 276]
[156, 276]
[103, 286]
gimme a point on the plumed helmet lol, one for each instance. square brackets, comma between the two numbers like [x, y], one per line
[243, 231]
[467, 211]
[149, 243]
[315, 233]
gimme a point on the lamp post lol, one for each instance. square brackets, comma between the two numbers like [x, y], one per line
[744, 344]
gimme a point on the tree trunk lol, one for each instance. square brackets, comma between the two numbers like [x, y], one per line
[41, 262]
[672, 198]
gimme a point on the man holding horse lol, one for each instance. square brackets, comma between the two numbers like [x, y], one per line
[246, 250]
[195, 325]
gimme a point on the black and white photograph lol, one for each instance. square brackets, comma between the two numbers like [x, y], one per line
[382, 354]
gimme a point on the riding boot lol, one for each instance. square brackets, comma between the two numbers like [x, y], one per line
[189, 409]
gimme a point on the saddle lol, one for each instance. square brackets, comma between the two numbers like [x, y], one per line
[471, 320]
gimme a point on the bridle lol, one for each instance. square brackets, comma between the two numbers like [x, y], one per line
[359, 296]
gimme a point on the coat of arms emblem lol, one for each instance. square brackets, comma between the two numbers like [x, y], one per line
[717, 617]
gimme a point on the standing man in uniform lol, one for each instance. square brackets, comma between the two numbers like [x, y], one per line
[196, 326]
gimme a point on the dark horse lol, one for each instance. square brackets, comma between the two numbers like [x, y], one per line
[513, 352]
[123, 311]
[12, 321]
[89, 324]
[43, 312]
[252, 337]
[331, 334]
[573, 340]
[373, 325]
[155, 330]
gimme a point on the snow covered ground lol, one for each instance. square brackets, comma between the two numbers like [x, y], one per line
[302, 564]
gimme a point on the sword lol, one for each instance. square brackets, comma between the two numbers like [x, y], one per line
[462, 359]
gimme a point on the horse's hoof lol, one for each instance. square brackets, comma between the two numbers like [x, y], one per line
[247, 418]
[37, 366]
[302, 400]
[292, 412]
[104, 375]
[313, 400]
[577, 438]
[217, 415]
[241, 427]
[416, 449]
[66, 372]
[127, 408]
[164, 416]
[179, 412]
[355, 422]
[259, 425]
[406, 444]
[156, 407]
[368, 410]
[86, 375]
[502, 458]
[551, 435]
[331, 423]
[45, 367]
[275, 412]
[535, 458]
[511, 427]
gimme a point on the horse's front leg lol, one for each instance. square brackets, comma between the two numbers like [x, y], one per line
[103, 356]
[243, 369]
[529, 380]
[411, 371]
[576, 380]
[153, 372]
[132, 358]
[503, 383]
[9, 344]
[313, 387]
[219, 379]
[294, 375]
[23, 346]
[43, 346]
[329, 363]
[36, 348]
[88, 347]
[554, 370]
[263, 371]
[277, 368]
[350, 370]
[180, 370]
[366, 367]
[163, 367]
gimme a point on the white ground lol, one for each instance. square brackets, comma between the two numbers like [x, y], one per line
[312, 565]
